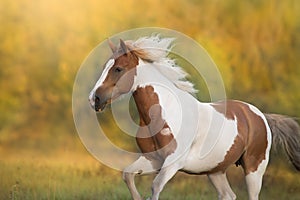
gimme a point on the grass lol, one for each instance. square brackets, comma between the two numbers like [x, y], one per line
[70, 175]
[59, 178]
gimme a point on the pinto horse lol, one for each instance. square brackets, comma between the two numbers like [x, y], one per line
[179, 133]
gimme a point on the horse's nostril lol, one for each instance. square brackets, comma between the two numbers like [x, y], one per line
[97, 99]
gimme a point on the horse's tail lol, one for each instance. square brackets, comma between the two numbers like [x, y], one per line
[286, 132]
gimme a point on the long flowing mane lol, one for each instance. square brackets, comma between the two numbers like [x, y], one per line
[156, 50]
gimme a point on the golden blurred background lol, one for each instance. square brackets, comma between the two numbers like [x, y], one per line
[255, 44]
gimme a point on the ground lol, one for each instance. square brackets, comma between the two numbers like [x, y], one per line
[77, 175]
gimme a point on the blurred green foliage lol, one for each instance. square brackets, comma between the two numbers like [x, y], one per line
[255, 44]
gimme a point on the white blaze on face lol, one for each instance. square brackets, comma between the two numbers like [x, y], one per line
[100, 81]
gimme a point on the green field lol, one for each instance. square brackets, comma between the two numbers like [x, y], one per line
[69, 175]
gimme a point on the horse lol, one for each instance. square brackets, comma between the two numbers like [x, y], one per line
[179, 133]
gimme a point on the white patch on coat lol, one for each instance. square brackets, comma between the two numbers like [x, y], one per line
[179, 108]
[216, 137]
[166, 131]
[158, 49]
[166, 91]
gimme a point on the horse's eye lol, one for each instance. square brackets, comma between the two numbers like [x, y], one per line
[118, 69]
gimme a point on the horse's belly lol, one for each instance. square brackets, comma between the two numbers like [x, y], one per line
[212, 145]
[196, 166]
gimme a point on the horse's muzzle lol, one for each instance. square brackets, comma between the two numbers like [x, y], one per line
[99, 105]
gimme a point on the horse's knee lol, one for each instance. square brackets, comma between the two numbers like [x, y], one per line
[126, 176]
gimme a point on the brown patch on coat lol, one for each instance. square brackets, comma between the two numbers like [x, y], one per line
[249, 147]
[150, 140]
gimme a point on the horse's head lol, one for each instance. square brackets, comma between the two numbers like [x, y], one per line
[117, 77]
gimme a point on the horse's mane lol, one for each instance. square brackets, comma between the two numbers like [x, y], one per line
[155, 50]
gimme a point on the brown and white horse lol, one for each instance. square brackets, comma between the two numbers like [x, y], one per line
[179, 133]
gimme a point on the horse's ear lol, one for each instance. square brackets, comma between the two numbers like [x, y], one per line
[112, 46]
[123, 46]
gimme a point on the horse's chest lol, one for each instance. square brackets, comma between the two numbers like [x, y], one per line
[154, 135]
[159, 145]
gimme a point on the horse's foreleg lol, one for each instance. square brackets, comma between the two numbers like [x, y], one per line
[165, 174]
[219, 180]
[129, 180]
[140, 166]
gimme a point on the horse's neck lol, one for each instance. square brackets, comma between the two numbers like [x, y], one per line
[150, 90]
[147, 74]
